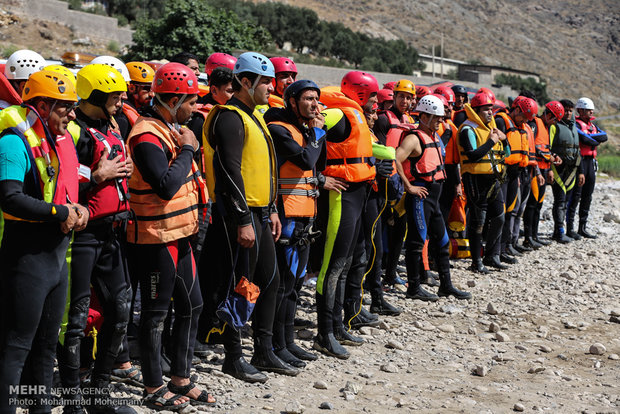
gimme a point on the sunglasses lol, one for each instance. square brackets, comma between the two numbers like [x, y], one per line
[68, 106]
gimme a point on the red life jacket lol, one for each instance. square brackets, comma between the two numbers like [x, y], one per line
[543, 149]
[588, 128]
[429, 166]
[394, 134]
[111, 196]
[204, 109]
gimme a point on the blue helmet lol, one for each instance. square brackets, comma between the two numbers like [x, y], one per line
[255, 63]
[296, 88]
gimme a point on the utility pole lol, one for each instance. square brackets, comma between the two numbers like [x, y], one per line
[433, 53]
[442, 55]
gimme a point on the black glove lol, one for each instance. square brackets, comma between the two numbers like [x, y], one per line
[384, 168]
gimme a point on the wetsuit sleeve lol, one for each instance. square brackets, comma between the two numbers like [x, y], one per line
[501, 124]
[383, 152]
[467, 138]
[381, 128]
[228, 138]
[152, 162]
[14, 165]
[85, 151]
[592, 139]
[338, 126]
[459, 118]
[287, 149]
[123, 124]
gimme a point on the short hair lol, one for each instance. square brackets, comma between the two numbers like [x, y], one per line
[528, 94]
[567, 104]
[220, 76]
[236, 85]
[183, 58]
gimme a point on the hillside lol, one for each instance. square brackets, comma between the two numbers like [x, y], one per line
[574, 45]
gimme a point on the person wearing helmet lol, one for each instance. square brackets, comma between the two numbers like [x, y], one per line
[299, 141]
[37, 198]
[241, 171]
[385, 99]
[167, 196]
[423, 181]
[590, 137]
[460, 99]
[20, 65]
[217, 60]
[518, 134]
[139, 95]
[63, 70]
[541, 125]
[388, 129]
[97, 253]
[286, 73]
[564, 140]
[481, 149]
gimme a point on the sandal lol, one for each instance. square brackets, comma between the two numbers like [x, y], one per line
[156, 401]
[131, 376]
[203, 398]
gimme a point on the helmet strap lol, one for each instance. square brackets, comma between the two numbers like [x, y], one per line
[174, 109]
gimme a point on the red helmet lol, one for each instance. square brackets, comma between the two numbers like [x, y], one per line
[442, 98]
[446, 92]
[219, 60]
[283, 64]
[175, 78]
[488, 92]
[385, 95]
[421, 91]
[481, 99]
[556, 109]
[527, 105]
[359, 86]
[390, 85]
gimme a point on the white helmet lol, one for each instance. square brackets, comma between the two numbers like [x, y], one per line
[23, 63]
[115, 63]
[430, 104]
[584, 103]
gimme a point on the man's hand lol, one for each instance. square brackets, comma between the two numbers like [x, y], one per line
[276, 226]
[459, 189]
[83, 215]
[109, 169]
[540, 179]
[318, 121]
[185, 137]
[68, 225]
[128, 166]
[335, 184]
[556, 160]
[246, 236]
[581, 180]
[384, 168]
[415, 190]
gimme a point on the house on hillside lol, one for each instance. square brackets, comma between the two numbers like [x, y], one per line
[485, 74]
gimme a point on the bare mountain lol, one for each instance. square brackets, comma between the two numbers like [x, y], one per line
[574, 45]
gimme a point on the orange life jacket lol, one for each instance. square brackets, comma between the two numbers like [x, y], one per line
[350, 158]
[518, 139]
[543, 152]
[157, 220]
[429, 166]
[452, 149]
[275, 101]
[131, 113]
[297, 187]
[204, 109]
[531, 144]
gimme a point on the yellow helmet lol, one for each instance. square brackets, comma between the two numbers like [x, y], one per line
[140, 72]
[99, 77]
[63, 70]
[49, 84]
[405, 85]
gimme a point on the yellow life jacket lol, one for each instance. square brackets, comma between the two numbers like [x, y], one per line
[258, 159]
[486, 164]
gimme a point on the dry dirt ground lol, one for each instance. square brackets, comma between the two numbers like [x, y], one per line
[523, 343]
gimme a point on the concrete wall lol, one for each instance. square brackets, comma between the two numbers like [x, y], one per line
[90, 25]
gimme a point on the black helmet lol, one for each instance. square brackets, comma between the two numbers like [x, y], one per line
[296, 88]
[460, 89]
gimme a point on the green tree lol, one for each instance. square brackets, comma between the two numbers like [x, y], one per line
[519, 84]
[195, 27]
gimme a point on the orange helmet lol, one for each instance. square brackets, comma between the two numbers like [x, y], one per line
[488, 92]
[422, 91]
[49, 84]
[140, 72]
[404, 85]
[481, 99]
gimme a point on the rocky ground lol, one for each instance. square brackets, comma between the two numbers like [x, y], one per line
[543, 336]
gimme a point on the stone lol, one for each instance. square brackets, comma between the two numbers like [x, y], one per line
[611, 217]
[545, 348]
[471, 283]
[365, 330]
[472, 330]
[393, 343]
[446, 328]
[46, 34]
[320, 385]
[614, 357]
[85, 41]
[451, 309]
[535, 370]
[569, 325]
[521, 348]
[614, 319]
[326, 406]
[519, 407]
[615, 312]
[384, 325]
[563, 357]
[294, 407]
[389, 367]
[353, 387]
[305, 334]
[491, 309]
[348, 396]
[502, 337]
[597, 349]
[568, 275]
[481, 371]
[494, 327]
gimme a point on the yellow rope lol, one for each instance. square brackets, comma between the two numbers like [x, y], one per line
[214, 329]
[93, 334]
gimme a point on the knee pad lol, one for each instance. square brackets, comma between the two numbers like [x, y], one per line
[78, 315]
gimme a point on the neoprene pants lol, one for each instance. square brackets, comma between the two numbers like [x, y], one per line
[166, 271]
[484, 206]
[425, 221]
[33, 282]
[582, 195]
[525, 180]
[395, 239]
[448, 191]
[292, 261]
[258, 264]
[560, 198]
[343, 227]
[374, 205]
[512, 190]
[531, 218]
[97, 259]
